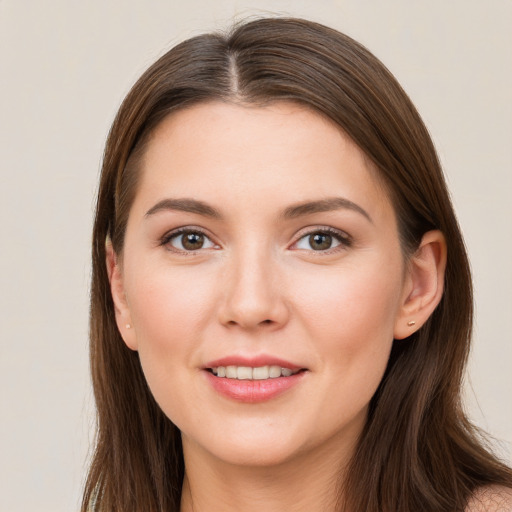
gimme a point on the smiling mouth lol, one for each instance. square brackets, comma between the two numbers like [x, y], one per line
[253, 373]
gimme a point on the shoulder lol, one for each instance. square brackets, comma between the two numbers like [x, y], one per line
[493, 498]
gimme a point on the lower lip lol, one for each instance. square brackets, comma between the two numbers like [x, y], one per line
[253, 391]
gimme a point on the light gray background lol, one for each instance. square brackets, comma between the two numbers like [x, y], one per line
[64, 68]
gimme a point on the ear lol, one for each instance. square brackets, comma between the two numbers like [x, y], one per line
[423, 285]
[122, 311]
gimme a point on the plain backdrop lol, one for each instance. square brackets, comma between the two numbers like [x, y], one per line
[64, 69]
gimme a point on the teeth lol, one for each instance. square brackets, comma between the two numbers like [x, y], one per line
[260, 373]
[244, 373]
[274, 372]
[231, 372]
[248, 373]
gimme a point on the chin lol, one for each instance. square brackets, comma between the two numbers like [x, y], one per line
[256, 454]
[256, 449]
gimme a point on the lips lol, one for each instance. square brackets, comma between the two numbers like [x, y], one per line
[253, 362]
[253, 379]
[250, 373]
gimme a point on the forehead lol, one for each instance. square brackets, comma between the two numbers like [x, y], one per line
[282, 152]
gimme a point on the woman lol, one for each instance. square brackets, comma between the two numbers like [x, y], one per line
[281, 299]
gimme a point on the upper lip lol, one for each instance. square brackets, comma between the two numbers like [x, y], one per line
[253, 362]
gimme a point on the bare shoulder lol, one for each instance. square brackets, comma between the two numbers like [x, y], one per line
[491, 499]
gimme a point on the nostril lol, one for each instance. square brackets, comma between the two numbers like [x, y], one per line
[263, 322]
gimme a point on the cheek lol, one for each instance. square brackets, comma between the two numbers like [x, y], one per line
[351, 314]
[363, 295]
[170, 301]
[169, 308]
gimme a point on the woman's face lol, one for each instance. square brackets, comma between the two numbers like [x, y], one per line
[260, 239]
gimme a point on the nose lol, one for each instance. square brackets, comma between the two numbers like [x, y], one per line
[253, 295]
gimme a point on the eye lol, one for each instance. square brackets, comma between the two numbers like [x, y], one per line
[188, 240]
[322, 240]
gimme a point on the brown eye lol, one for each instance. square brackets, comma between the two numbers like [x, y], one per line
[189, 241]
[320, 241]
[192, 241]
[323, 240]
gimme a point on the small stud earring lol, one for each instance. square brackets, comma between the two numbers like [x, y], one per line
[128, 326]
[411, 323]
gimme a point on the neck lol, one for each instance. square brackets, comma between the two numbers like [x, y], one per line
[309, 482]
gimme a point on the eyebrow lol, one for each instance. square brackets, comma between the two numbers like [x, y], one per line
[291, 212]
[324, 205]
[185, 205]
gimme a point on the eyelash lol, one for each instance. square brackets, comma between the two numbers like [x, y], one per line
[343, 239]
[166, 239]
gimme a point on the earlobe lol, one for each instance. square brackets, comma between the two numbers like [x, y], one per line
[122, 311]
[424, 284]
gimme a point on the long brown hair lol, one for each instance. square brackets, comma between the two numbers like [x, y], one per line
[418, 451]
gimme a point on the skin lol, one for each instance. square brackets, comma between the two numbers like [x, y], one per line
[258, 286]
[493, 498]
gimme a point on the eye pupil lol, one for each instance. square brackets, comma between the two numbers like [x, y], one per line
[193, 241]
[320, 241]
